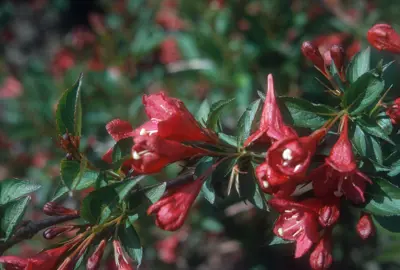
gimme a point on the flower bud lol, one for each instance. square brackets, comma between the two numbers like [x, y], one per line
[53, 232]
[321, 257]
[338, 56]
[384, 37]
[312, 53]
[328, 215]
[365, 226]
[93, 262]
[54, 209]
[120, 259]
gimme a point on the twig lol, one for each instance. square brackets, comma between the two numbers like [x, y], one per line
[31, 229]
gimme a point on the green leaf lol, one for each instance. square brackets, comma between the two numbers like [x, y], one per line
[359, 65]
[69, 111]
[279, 241]
[364, 92]
[11, 215]
[389, 223]
[383, 120]
[228, 139]
[155, 193]
[211, 225]
[359, 141]
[208, 190]
[395, 169]
[13, 189]
[377, 150]
[215, 113]
[204, 146]
[187, 46]
[385, 198]
[203, 112]
[88, 179]
[131, 242]
[70, 170]
[374, 130]
[246, 121]
[121, 151]
[97, 207]
[307, 114]
[147, 39]
[126, 186]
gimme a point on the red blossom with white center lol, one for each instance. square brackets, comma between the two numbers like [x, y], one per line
[384, 38]
[172, 209]
[297, 222]
[288, 160]
[339, 174]
[272, 127]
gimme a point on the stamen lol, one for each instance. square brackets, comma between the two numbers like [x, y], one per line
[287, 154]
[285, 163]
[297, 232]
[339, 192]
[142, 132]
[265, 184]
[135, 155]
[298, 167]
[280, 232]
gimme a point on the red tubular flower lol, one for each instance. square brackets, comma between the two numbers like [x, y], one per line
[384, 37]
[166, 248]
[158, 142]
[353, 49]
[121, 261]
[321, 257]
[44, 260]
[55, 209]
[339, 175]
[338, 56]
[312, 53]
[53, 232]
[93, 262]
[393, 111]
[365, 226]
[297, 222]
[288, 159]
[272, 127]
[172, 209]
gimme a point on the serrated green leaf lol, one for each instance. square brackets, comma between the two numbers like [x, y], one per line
[203, 112]
[215, 113]
[359, 141]
[98, 205]
[69, 110]
[385, 198]
[13, 189]
[69, 171]
[131, 242]
[307, 114]
[126, 186]
[279, 241]
[11, 215]
[374, 130]
[228, 139]
[208, 190]
[383, 120]
[377, 150]
[155, 193]
[359, 65]
[246, 121]
[363, 93]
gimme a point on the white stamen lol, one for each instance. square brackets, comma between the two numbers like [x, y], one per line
[285, 163]
[338, 193]
[265, 184]
[151, 132]
[287, 154]
[298, 166]
[280, 232]
[135, 155]
[298, 231]
[142, 132]
[289, 210]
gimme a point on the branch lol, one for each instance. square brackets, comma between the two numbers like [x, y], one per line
[31, 229]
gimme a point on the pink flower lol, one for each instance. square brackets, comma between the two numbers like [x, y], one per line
[297, 222]
[384, 37]
[272, 127]
[172, 209]
[365, 226]
[166, 248]
[169, 51]
[339, 174]
[10, 88]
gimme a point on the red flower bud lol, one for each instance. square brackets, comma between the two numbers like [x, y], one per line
[365, 226]
[384, 37]
[321, 257]
[54, 209]
[120, 258]
[93, 262]
[312, 53]
[53, 232]
[329, 213]
[338, 56]
[393, 111]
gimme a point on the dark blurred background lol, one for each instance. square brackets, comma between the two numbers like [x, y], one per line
[194, 50]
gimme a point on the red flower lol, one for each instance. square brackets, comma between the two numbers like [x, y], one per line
[158, 141]
[55, 209]
[384, 37]
[63, 60]
[172, 209]
[48, 259]
[312, 53]
[321, 257]
[11, 88]
[169, 51]
[297, 222]
[166, 248]
[339, 174]
[394, 112]
[288, 159]
[365, 226]
[329, 213]
[168, 19]
[272, 127]
[121, 261]
[93, 262]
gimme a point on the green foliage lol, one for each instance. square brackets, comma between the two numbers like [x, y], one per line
[385, 198]
[131, 242]
[246, 121]
[13, 189]
[11, 215]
